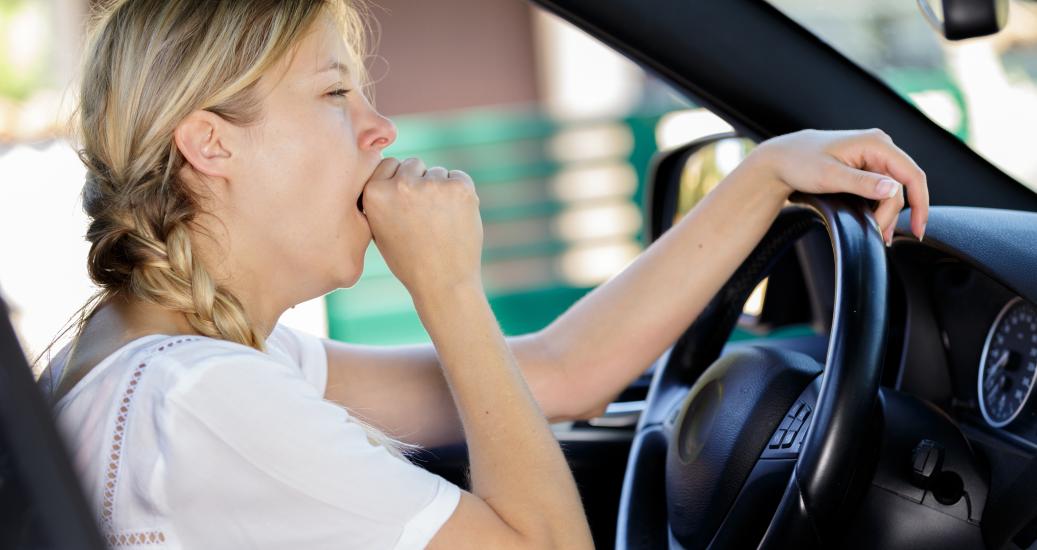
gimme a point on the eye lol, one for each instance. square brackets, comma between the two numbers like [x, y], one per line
[341, 92]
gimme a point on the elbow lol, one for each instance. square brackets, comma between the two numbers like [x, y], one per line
[560, 536]
[566, 396]
[596, 410]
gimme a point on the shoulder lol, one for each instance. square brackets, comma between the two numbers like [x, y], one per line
[303, 350]
[296, 345]
[190, 363]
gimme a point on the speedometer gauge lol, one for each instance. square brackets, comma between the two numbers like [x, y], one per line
[1009, 363]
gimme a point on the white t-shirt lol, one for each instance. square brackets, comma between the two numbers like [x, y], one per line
[194, 442]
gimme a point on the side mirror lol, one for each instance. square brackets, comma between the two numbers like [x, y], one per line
[680, 178]
[962, 19]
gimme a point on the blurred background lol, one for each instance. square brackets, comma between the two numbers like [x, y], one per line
[556, 130]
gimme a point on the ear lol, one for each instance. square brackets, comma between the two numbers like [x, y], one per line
[202, 138]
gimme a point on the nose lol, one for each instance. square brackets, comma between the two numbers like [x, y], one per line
[380, 132]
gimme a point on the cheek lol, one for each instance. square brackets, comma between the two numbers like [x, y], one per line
[309, 168]
[310, 144]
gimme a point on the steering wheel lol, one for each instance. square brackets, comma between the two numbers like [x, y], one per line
[718, 449]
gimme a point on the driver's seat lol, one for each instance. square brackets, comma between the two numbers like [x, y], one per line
[41, 502]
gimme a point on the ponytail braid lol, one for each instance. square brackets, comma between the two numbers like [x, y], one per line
[140, 245]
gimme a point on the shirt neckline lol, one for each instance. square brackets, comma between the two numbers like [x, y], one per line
[102, 365]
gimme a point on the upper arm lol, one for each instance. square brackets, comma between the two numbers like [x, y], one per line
[400, 390]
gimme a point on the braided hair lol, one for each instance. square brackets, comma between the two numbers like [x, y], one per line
[148, 64]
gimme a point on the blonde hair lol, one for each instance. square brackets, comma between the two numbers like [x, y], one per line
[147, 65]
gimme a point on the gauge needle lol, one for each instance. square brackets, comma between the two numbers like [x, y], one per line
[1001, 361]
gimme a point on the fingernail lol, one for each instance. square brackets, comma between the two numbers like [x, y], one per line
[920, 237]
[886, 188]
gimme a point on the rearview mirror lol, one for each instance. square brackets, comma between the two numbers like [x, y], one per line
[962, 19]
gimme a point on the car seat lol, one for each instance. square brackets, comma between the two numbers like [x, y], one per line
[41, 502]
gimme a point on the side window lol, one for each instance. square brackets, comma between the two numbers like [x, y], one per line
[560, 176]
[557, 130]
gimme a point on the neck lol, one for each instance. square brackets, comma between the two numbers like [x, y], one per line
[134, 317]
[239, 271]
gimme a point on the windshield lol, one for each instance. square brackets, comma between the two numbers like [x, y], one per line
[981, 90]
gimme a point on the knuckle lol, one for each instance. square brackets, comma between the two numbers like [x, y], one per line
[460, 175]
[880, 135]
[465, 190]
[832, 171]
[862, 181]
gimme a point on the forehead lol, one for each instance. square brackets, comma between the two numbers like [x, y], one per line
[322, 49]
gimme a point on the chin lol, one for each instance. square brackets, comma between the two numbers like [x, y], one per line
[349, 278]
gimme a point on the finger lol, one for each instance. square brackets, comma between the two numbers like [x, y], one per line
[413, 167]
[870, 185]
[880, 154]
[458, 174]
[385, 169]
[461, 176]
[436, 173]
[886, 215]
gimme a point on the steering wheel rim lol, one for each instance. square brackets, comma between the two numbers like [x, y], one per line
[820, 483]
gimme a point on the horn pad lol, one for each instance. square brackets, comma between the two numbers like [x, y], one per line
[724, 424]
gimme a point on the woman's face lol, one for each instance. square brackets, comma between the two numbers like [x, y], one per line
[305, 164]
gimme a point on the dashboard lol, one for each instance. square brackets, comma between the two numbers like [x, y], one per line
[963, 329]
[970, 343]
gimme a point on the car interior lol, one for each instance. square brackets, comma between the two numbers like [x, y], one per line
[902, 416]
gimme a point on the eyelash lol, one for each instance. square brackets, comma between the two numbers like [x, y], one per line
[339, 92]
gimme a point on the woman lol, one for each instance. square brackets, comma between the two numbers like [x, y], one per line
[235, 170]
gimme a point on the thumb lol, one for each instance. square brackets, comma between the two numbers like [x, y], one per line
[867, 184]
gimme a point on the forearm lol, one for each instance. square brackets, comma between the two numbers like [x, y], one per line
[516, 464]
[609, 337]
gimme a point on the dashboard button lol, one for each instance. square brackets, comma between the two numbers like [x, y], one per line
[786, 441]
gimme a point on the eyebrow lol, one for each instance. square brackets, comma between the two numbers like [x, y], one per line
[335, 65]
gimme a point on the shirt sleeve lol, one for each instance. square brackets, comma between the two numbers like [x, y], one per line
[255, 457]
[305, 350]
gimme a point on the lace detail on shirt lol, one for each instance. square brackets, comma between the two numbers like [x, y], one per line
[111, 480]
[138, 538]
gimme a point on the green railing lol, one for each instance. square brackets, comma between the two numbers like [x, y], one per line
[535, 177]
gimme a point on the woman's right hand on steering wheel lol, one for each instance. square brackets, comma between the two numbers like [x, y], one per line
[426, 224]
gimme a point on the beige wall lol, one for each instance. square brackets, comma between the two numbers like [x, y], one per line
[450, 54]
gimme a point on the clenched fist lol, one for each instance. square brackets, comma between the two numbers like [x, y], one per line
[426, 224]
